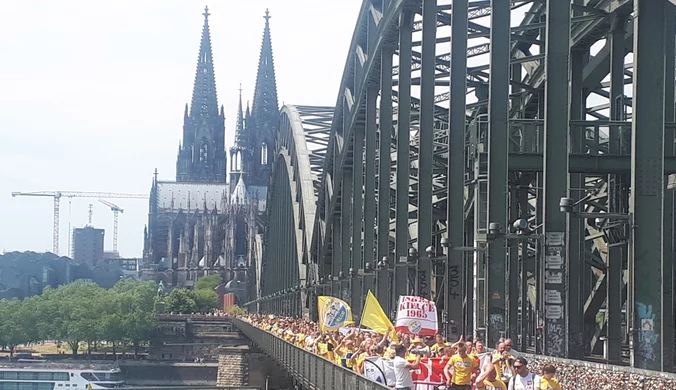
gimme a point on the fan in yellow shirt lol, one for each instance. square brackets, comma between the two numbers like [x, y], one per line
[504, 362]
[548, 382]
[463, 367]
[488, 379]
[439, 345]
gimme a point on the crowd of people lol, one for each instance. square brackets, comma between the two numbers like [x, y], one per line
[467, 364]
[350, 348]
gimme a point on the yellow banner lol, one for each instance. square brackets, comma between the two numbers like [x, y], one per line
[333, 313]
[375, 318]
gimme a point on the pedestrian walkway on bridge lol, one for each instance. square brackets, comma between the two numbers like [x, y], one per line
[314, 371]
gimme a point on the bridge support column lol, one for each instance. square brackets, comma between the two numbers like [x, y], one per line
[403, 138]
[384, 287]
[498, 188]
[369, 221]
[426, 133]
[668, 302]
[384, 157]
[647, 183]
[346, 193]
[458, 299]
[557, 100]
[356, 299]
[357, 258]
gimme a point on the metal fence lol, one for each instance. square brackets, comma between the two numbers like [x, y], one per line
[311, 370]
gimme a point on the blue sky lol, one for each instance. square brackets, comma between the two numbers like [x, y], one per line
[92, 95]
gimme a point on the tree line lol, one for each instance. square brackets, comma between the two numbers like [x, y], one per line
[201, 299]
[84, 313]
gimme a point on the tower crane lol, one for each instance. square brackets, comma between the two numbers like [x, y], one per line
[57, 195]
[116, 211]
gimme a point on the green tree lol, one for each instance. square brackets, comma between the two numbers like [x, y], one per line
[209, 282]
[15, 327]
[141, 318]
[180, 300]
[206, 300]
[85, 309]
[84, 312]
[236, 311]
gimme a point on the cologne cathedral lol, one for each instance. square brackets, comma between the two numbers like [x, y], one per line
[206, 221]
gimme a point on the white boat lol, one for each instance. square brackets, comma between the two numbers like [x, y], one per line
[41, 375]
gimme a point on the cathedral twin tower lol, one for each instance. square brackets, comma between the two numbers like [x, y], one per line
[196, 224]
[202, 154]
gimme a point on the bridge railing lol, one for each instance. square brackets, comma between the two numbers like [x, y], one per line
[311, 370]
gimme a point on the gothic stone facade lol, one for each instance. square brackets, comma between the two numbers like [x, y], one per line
[199, 225]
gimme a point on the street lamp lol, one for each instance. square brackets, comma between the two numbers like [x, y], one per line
[412, 255]
[566, 205]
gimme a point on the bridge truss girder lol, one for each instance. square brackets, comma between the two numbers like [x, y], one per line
[301, 143]
[385, 188]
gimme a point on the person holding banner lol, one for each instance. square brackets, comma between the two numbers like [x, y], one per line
[402, 369]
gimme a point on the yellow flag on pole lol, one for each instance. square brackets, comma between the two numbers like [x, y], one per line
[375, 318]
[333, 313]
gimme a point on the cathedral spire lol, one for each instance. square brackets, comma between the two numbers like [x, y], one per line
[204, 100]
[202, 157]
[239, 131]
[265, 94]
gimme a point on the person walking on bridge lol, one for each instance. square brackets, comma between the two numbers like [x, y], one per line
[524, 379]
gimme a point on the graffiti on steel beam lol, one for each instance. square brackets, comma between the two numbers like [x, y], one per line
[345, 292]
[496, 319]
[454, 282]
[555, 338]
[647, 337]
[555, 259]
[423, 283]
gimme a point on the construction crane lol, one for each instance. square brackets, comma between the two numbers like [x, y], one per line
[90, 212]
[116, 211]
[57, 195]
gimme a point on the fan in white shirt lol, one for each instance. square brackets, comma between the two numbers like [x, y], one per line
[402, 369]
[524, 379]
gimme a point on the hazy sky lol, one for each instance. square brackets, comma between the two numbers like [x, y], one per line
[92, 95]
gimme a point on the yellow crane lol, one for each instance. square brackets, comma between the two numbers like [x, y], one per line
[116, 211]
[57, 195]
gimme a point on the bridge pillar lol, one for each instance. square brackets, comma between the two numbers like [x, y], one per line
[646, 203]
[248, 366]
[383, 279]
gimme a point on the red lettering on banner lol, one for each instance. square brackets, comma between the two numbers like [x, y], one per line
[416, 313]
[438, 375]
[430, 371]
[420, 308]
[422, 373]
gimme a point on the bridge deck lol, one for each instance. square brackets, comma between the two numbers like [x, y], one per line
[312, 371]
[315, 372]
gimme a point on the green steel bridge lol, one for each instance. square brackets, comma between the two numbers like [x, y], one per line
[496, 157]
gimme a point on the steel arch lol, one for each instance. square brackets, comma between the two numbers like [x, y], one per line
[301, 145]
[343, 193]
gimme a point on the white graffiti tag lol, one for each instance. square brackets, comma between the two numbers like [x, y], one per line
[555, 338]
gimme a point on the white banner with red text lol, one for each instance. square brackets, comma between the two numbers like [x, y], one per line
[416, 315]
